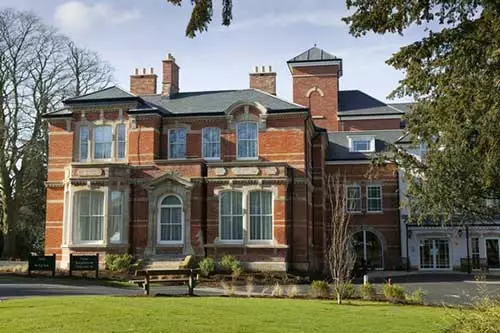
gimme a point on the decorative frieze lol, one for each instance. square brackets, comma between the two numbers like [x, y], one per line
[94, 172]
[248, 171]
[220, 171]
[271, 171]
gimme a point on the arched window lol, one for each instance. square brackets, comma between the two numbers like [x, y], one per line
[368, 248]
[231, 216]
[171, 220]
[261, 215]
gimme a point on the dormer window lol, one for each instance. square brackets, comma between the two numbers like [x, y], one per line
[361, 144]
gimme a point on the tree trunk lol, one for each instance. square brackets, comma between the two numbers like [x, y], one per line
[339, 298]
[9, 245]
[9, 230]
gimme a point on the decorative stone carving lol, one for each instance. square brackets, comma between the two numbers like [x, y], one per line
[220, 171]
[94, 172]
[271, 171]
[250, 171]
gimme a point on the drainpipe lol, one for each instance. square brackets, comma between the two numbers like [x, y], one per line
[469, 270]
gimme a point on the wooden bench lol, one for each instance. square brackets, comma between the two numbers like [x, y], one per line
[166, 276]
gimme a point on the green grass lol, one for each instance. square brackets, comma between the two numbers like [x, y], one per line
[212, 314]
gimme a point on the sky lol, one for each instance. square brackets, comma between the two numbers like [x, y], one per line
[130, 33]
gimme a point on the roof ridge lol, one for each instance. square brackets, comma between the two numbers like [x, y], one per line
[276, 97]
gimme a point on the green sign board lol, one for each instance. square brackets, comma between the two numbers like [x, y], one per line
[84, 263]
[42, 263]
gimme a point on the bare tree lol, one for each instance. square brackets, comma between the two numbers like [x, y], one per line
[88, 71]
[35, 76]
[340, 254]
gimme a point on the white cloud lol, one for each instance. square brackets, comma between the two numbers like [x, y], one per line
[76, 16]
[323, 18]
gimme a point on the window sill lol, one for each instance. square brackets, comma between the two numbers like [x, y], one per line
[257, 245]
[375, 212]
[170, 244]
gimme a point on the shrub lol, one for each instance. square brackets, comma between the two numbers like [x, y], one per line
[416, 297]
[207, 266]
[349, 291]
[368, 291]
[394, 292]
[277, 291]
[118, 262]
[230, 263]
[292, 291]
[229, 289]
[320, 289]
[483, 317]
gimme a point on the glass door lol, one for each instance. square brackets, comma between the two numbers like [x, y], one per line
[493, 253]
[434, 254]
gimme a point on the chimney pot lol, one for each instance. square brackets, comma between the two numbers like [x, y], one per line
[144, 71]
[137, 71]
[263, 80]
[270, 69]
[152, 70]
[263, 69]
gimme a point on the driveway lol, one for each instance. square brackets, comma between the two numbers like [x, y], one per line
[457, 290]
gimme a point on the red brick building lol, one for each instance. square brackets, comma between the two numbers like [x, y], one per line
[242, 172]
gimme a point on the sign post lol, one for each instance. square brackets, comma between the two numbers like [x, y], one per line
[84, 263]
[42, 263]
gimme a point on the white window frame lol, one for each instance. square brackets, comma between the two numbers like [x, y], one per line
[360, 199]
[368, 198]
[87, 144]
[121, 216]
[170, 143]
[94, 142]
[203, 153]
[232, 241]
[250, 240]
[352, 139]
[76, 214]
[256, 141]
[160, 206]
[117, 127]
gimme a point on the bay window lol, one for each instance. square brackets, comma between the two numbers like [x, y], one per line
[177, 143]
[353, 198]
[247, 136]
[374, 198]
[103, 142]
[211, 143]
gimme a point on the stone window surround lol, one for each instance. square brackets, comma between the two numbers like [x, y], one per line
[163, 186]
[69, 215]
[245, 190]
[160, 199]
[114, 149]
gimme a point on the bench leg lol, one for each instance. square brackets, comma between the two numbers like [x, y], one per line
[190, 286]
[146, 286]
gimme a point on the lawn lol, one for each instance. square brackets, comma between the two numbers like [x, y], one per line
[212, 314]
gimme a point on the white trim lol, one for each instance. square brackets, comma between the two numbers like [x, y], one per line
[256, 139]
[160, 206]
[346, 188]
[374, 117]
[369, 138]
[203, 143]
[381, 199]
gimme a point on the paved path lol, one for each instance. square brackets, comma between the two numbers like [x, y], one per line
[458, 291]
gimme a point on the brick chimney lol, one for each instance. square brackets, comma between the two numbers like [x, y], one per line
[143, 83]
[170, 83]
[263, 80]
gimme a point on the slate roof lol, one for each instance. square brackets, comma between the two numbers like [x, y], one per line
[208, 102]
[106, 94]
[64, 112]
[358, 103]
[313, 54]
[338, 143]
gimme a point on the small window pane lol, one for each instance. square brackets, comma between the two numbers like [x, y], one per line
[374, 198]
[211, 143]
[103, 141]
[171, 200]
[90, 216]
[247, 140]
[231, 216]
[260, 215]
[84, 143]
[120, 141]
[361, 145]
[353, 198]
[116, 221]
[177, 143]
